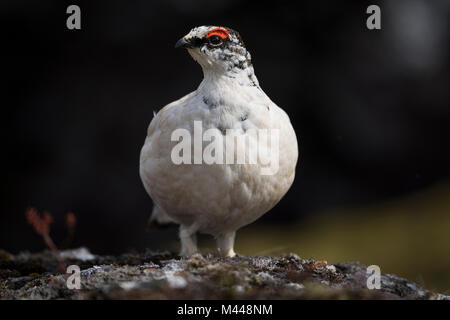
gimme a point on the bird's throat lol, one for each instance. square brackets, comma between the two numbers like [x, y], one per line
[231, 76]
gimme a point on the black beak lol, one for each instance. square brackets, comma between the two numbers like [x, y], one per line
[182, 43]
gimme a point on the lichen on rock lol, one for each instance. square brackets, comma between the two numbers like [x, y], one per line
[163, 275]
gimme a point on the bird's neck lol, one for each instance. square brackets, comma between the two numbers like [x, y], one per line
[232, 77]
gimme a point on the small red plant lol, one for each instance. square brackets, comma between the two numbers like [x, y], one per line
[71, 223]
[41, 224]
[71, 220]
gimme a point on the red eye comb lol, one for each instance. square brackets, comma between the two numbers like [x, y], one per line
[221, 32]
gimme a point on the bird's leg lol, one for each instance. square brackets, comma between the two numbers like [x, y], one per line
[225, 244]
[188, 240]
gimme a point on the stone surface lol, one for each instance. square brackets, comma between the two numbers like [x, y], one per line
[152, 275]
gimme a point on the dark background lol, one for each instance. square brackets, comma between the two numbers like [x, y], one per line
[370, 108]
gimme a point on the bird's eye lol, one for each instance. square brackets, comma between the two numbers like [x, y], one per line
[215, 40]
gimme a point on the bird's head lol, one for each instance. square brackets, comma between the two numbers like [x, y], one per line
[219, 50]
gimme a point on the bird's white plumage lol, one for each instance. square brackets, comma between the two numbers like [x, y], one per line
[216, 199]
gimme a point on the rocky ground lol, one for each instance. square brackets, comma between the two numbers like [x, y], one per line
[151, 275]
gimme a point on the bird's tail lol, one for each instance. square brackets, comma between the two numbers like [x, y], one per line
[159, 219]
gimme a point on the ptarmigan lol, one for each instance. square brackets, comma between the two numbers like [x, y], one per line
[218, 197]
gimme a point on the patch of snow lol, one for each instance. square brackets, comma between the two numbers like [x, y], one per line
[295, 286]
[168, 274]
[172, 267]
[238, 288]
[176, 282]
[331, 268]
[128, 285]
[82, 254]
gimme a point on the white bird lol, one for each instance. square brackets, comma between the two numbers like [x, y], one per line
[221, 197]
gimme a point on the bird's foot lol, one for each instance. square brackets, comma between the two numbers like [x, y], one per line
[227, 253]
[225, 244]
[188, 241]
[188, 252]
